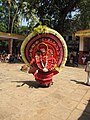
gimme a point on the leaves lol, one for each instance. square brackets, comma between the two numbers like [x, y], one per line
[57, 14]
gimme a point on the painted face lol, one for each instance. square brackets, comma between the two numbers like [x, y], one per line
[38, 55]
[43, 51]
[43, 47]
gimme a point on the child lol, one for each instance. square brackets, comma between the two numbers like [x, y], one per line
[87, 69]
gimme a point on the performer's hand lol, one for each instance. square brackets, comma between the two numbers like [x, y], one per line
[45, 69]
[36, 71]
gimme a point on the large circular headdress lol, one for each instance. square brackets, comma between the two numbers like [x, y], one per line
[47, 38]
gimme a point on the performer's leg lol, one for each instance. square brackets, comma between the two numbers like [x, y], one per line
[88, 78]
[45, 83]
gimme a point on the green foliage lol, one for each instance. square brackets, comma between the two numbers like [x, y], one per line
[23, 30]
[9, 14]
[3, 27]
[81, 20]
[56, 14]
[53, 13]
[84, 16]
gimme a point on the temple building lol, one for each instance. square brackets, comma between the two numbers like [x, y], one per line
[84, 46]
[13, 42]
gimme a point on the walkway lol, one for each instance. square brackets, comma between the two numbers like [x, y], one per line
[21, 99]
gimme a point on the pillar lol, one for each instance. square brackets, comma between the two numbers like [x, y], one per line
[81, 48]
[10, 45]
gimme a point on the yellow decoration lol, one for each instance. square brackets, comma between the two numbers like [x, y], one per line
[41, 29]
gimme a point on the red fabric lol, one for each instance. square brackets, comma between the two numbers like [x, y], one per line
[44, 77]
[37, 62]
[32, 61]
[51, 62]
[44, 61]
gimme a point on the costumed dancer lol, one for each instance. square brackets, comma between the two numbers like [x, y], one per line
[42, 66]
[45, 52]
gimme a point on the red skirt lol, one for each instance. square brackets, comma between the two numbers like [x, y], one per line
[44, 77]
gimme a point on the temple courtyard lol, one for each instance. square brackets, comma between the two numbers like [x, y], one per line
[21, 98]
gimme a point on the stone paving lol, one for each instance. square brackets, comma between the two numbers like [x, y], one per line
[21, 98]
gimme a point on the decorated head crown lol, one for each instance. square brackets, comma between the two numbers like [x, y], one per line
[42, 46]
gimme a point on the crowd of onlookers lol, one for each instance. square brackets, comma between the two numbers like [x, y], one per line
[10, 58]
[72, 59]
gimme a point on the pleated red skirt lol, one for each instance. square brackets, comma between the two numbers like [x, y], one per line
[44, 77]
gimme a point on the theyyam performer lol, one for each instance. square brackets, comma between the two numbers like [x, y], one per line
[44, 51]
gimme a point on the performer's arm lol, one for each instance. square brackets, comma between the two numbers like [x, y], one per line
[32, 61]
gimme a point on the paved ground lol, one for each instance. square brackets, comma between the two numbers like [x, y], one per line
[21, 99]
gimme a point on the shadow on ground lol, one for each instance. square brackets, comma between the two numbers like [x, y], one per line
[86, 113]
[79, 82]
[31, 84]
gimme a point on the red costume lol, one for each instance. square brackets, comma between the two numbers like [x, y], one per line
[45, 63]
[45, 51]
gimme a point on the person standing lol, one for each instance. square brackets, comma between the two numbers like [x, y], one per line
[83, 59]
[87, 69]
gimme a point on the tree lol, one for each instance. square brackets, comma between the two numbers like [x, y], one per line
[58, 14]
[10, 12]
[3, 26]
[54, 12]
[83, 18]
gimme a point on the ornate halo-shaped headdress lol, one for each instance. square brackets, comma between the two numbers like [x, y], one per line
[42, 36]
